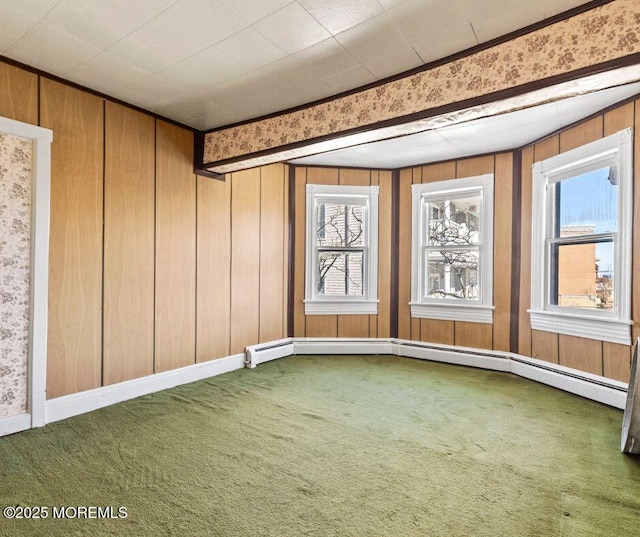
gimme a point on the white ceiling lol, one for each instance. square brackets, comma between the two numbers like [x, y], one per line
[208, 63]
[486, 135]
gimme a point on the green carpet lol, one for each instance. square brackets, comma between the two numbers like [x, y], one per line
[333, 446]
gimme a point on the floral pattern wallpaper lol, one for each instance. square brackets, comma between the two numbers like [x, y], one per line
[15, 259]
[604, 33]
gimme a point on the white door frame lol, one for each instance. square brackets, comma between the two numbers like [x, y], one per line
[39, 285]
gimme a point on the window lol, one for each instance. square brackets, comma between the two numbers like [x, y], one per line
[342, 247]
[452, 250]
[581, 241]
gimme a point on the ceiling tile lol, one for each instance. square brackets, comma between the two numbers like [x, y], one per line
[460, 37]
[94, 80]
[553, 7]
[158, 90]
[250, 49]
[46, 37]
[507, 21]
[487, 9]
[292, 28]
[140, 54]
[394, 63]
[390, 3]
[34, 9]
[212, 64]
[372, 39]
[114, 66]
[417, 19]
[195, 80]
[320, 61]
[15, 23]
[251, 11]
[340, 16]
[350, 79]
[103, 23]
[188, 27]
[39, 58]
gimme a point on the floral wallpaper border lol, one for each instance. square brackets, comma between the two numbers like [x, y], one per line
[605, 33]
[15, 266]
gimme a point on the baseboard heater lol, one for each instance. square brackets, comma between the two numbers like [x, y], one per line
[597, 388]
[608, 391]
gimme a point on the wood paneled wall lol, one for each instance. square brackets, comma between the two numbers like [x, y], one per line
[597, 357]
[478, 335]
[143, 274]
[343, 325]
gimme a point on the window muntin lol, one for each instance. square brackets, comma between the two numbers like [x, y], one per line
[452, 246]
[341, 249]
[581, 241]
[452, 249]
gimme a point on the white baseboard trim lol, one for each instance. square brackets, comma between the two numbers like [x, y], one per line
[601, 389]
[79, 403]
[15, 424]
[265, 352]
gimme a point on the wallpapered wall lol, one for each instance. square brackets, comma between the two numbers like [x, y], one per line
[15, 258]
[605, 33]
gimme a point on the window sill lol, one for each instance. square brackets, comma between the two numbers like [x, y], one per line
[585, 326]
[340, 307]
[453, 312]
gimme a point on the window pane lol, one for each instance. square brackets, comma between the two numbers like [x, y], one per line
[452, 222]
[587, 204]
[340, 273]
[452, 274]
[584, 276]
[340, 225]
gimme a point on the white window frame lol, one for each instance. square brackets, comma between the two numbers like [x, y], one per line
[315, 304]
[478, 310]
[615, 150]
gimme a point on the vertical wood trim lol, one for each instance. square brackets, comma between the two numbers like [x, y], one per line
[618, 119]
[582, 134]
[287, 252]
[395, 255]
[385, 231]
[355, 177]
[404, 254]
[524, 323]
[272, 267]
[245, 259]
[544, 346]
[470, 167]
[476, 335]
[75, 254]
[213, 300]
[299, 323]
[437, 331]
[129, 208]
[353, 326]
[19, 94]
[175, 338]
[581, 353]
[416, 178]
[516, 251]
[616, 361]
[502, 251]
[442, 171]
[322, 325]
